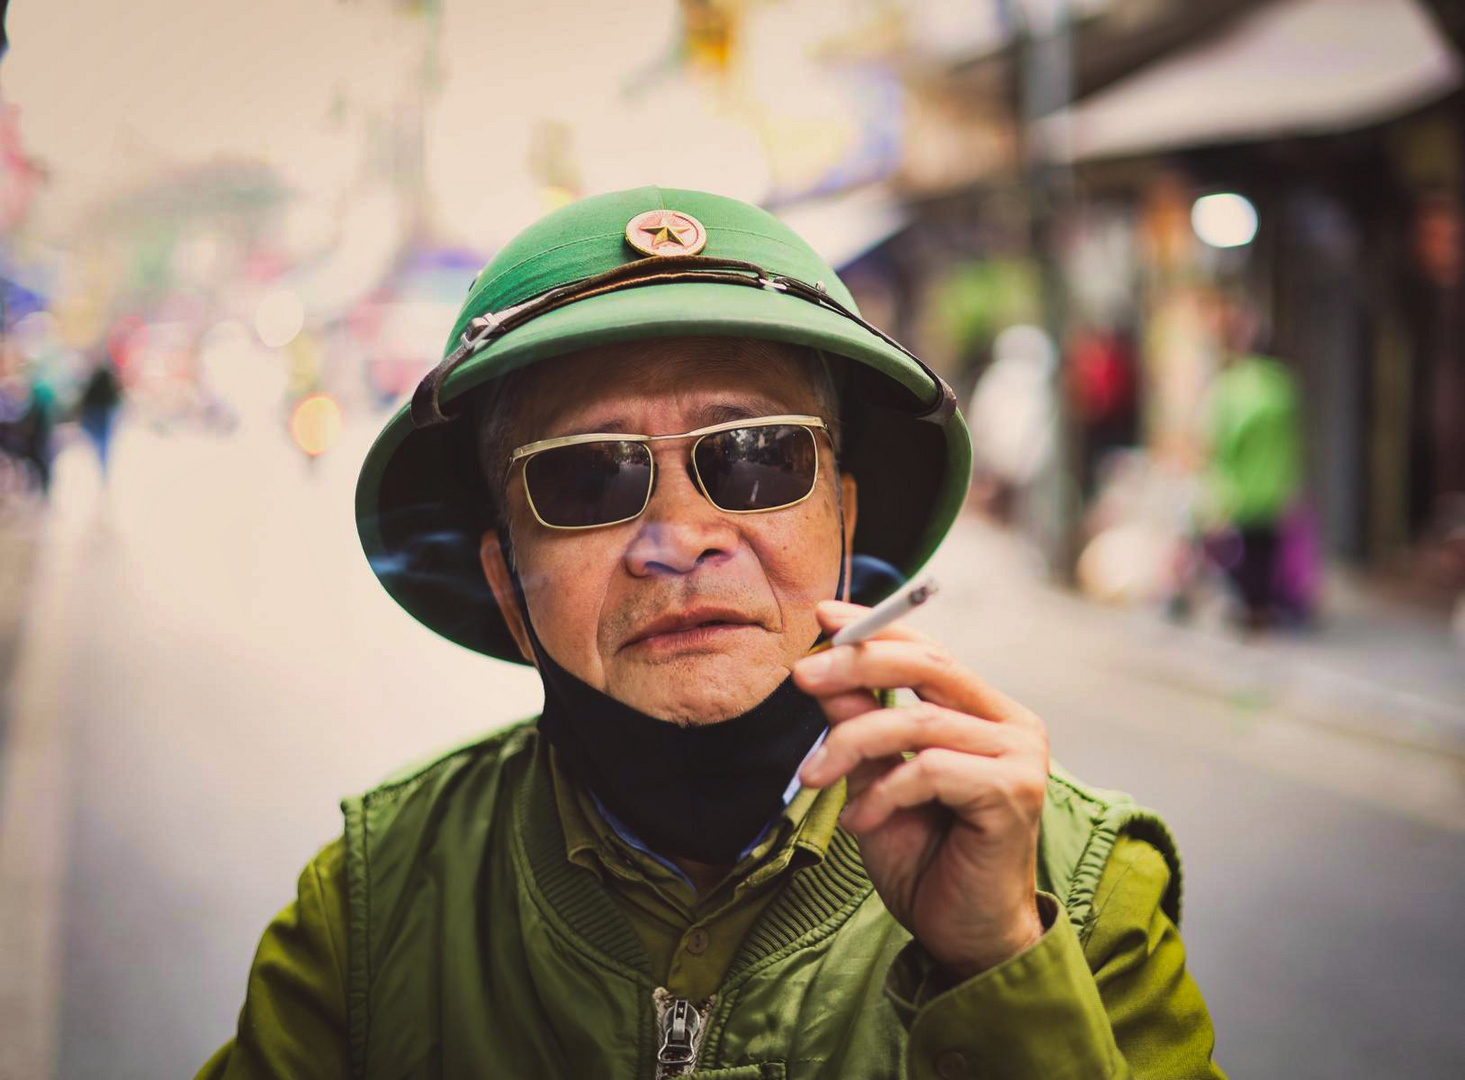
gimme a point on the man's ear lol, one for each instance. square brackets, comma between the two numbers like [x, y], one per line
[496, 572]
[850, 500]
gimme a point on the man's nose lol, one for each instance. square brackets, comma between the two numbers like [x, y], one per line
[680, 529]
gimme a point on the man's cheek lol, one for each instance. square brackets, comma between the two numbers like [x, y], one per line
[564, 586]
[803, 558]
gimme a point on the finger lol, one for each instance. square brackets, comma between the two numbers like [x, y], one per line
[884, 733]
[866, 773]
[842, 707]
[924, 666]
[835, 615]
[959, 781]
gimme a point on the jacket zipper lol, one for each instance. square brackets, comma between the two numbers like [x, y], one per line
[679, 1029]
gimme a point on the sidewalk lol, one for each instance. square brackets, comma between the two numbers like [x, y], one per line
[1371, 667]
[32, 791]
[21, 525]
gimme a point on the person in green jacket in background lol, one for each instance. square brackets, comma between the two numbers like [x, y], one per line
[1255, 465]
[662, 458]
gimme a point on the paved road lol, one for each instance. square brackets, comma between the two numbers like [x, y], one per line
[209, 665]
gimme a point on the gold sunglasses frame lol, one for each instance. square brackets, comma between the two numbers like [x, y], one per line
[527, 451]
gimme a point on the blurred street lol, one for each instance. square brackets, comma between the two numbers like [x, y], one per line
[206, 665]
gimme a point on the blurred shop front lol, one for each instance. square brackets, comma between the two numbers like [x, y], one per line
[1353, 261]
[1300, 159]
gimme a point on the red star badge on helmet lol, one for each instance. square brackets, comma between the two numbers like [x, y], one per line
[666, 232]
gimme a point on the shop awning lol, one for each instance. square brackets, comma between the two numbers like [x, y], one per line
[1293, 67]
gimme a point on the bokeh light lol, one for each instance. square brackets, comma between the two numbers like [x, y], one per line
[279, 317]
[1224, 220]
[315, 425]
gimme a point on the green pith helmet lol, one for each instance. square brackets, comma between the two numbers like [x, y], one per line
[647, 263]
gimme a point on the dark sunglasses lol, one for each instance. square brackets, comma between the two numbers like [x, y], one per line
[741, 467]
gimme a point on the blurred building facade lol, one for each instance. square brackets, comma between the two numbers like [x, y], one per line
[1338, 122]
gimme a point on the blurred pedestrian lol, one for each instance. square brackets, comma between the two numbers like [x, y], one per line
[101, 399]
[1253, 476]
[1101, 382]
[27, 417]
[1014, 420]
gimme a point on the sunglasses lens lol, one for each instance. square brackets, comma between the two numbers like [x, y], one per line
[758, 468]
[589, 483]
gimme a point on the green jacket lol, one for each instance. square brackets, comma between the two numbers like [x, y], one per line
[1255, 457]
[449, 935]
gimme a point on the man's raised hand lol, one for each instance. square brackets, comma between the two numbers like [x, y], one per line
[945, 794]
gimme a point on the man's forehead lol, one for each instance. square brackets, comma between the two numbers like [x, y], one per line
[706, 382]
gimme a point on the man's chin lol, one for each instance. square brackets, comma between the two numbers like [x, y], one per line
[700, 688]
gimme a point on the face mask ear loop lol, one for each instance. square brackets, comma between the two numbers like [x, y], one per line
[508, 553]
[838, 496]
[839, 588]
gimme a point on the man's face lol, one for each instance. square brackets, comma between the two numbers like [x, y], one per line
[687, 613]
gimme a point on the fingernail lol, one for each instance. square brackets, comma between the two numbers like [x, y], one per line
[816, 761]
[814, 667]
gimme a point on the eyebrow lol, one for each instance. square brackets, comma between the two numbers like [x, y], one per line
[721, 412]
[718, 412]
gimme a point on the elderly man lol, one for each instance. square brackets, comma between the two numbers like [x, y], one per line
[662, 451]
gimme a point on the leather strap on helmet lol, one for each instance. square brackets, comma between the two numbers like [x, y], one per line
[426, 409]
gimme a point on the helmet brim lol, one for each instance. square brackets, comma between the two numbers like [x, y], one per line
[421, 500]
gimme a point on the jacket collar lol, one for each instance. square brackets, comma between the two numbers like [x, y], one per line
[826, 879]
[798, 837]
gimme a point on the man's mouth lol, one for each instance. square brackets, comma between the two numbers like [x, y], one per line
[692, 628]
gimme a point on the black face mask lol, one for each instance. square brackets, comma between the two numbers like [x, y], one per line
[706, 792]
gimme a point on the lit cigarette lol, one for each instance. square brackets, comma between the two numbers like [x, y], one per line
[896, 606]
